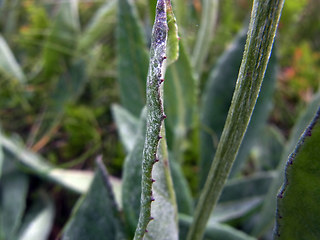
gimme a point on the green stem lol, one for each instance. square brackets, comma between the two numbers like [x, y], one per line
[205, 34]
[262, 29]
[155, 114]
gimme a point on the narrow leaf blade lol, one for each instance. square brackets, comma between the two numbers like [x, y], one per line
[8, 64]
[132, 58]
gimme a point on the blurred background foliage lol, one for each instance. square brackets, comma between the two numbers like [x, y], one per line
[58, 77]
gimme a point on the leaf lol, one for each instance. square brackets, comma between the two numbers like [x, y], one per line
[39, 219]
[266, 218]
[8, 64]
[180, 100]
[173, 38]
[131, 188]
[270, 148]
[164, 208]
[152, 9]
[248, 187]
[240, 196]
[219, 91]
[132, 58]
[100, 25]
[13, 193]
[181, 187]
[205, 34]
[214, 231]
[61, 43]
[75, 180]
[96, 215]
[298, 209]
[67, 90]
[1, 157]
[127, 126]
[234, 210]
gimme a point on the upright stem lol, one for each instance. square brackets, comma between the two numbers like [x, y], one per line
[155, 114]
[264, 21]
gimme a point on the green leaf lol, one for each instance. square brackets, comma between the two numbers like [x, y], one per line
[75, 180]
[131, 188]
[133, 139]
[132, 58]
[266, 218]
[298, 200]
[8, 64]
[181, 187]
[127, 126]
[66, 91]
[240, 196]
[100, 25]
[248, 187]
[39, 219]
[96, 215]
[269, 148]
[1, 156]
[164, 208]
[180, 100]
[205, 34]
[214, 231]
[219, 91]
[152, 9]
[61, 43]
[13, 193]
[173, 38]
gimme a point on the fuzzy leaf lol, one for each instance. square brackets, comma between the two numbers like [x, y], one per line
[132, 58]
[61, 43]
[268, 211]
[298, 200]
[13, 193]
[67, 90]
[127, 126]
[39, 219]
[8, 64]
[96, 215]
[100, 24]
[214, 231]
[241, 196]
[180, 100]
[181, 187]
[131, 188]
[75, 180]
[163, 205]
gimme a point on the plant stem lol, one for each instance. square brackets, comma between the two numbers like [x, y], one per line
[265, 17]
[155, 114]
